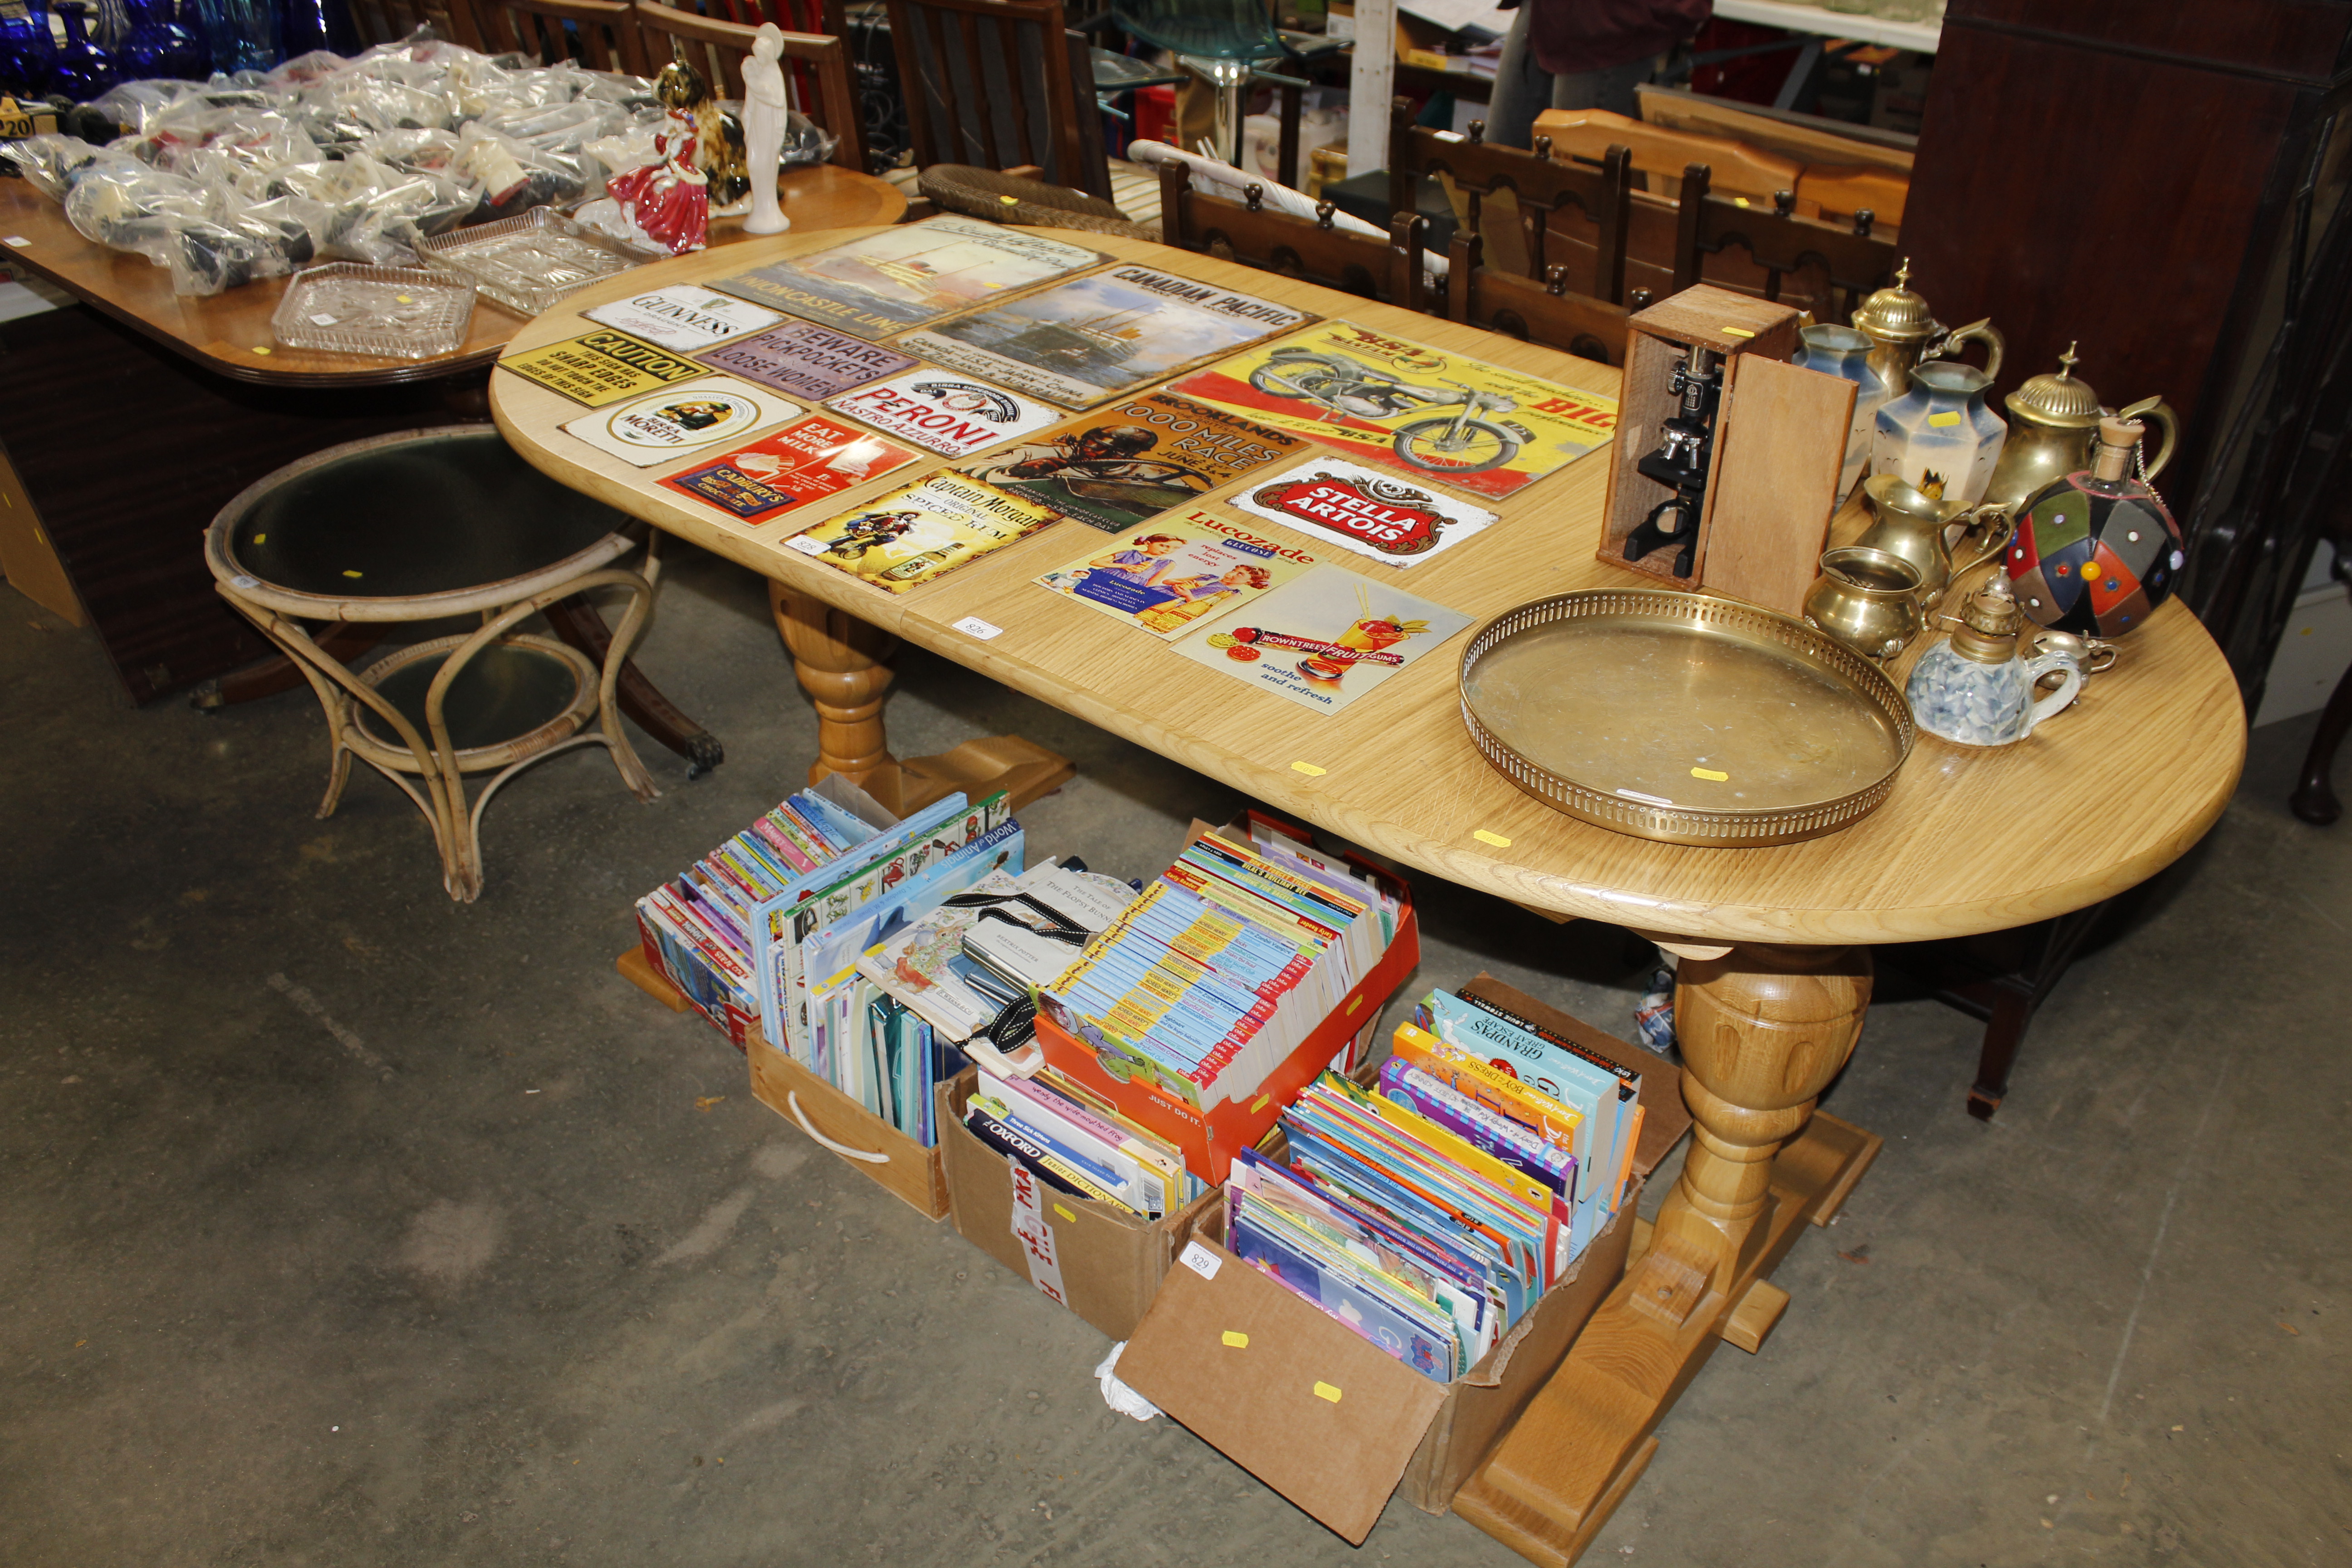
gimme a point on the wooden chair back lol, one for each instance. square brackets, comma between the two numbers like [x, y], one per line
[389, 21]
[1546, 312]
[990, 83]
[1542, 187]
[1779, 241]
[717, 49]
[1660, 153]
[825, 17]
[1315, 250]
[601, 34]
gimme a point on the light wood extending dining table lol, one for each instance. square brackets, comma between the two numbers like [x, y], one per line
[1775, 942]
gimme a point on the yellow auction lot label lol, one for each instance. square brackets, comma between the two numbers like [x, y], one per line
[602, 367]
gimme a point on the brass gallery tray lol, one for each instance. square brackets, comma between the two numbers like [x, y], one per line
[1683, 718]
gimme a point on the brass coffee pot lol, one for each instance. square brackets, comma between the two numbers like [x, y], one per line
[1919, 528]
[1903, 332]
[2054, 429]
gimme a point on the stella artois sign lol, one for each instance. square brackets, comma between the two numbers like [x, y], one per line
[1370, 512]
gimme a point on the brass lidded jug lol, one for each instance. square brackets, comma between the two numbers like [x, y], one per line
[2055, 431]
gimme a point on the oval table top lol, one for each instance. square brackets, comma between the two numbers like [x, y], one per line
[1968, 841]
[229, 332]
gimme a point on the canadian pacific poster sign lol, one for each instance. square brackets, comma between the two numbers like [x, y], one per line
[1370, 512]
[1407, 406]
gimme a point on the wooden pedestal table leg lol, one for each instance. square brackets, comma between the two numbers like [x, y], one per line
[840, 662]
[1763, 1029]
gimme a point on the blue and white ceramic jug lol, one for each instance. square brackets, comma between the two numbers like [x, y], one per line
[1843, 352]
[1940, 437]
[1973, 688]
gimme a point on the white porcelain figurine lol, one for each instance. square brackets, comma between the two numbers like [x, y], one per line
[764, 128]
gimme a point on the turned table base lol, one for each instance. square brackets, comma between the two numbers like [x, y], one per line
[1763, 1030]
[840, 663]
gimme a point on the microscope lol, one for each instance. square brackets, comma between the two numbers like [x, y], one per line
[1680, 463]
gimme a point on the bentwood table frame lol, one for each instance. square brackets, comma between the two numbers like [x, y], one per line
[1776, 969]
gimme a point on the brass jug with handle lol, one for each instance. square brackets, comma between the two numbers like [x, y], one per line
[1919, 528]
[2053, 429]
[1905, 331]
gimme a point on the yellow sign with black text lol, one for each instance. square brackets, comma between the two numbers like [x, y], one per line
[601, 367]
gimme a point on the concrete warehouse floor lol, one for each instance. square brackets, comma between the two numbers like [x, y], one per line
[346, 1226]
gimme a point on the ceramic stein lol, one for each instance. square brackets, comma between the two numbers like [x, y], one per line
[1940, 437]
[1971, 688]
[1845, 353]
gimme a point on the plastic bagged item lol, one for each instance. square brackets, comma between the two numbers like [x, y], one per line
[128, 206]
[630, 149]
[172, 142]
[213, 256]
[51, 164]
[806, 142]
[516, 176]
[135, 105]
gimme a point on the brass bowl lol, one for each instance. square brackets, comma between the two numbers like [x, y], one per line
[1684, 718]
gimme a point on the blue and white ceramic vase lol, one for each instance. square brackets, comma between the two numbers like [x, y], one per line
[1941, 437]
[1845, 353]
[1972, 689]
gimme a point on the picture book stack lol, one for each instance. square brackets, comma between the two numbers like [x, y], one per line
[810, 939]
[696, 930]
[1217, 978]
[1076, 1143]
[1431, 1217]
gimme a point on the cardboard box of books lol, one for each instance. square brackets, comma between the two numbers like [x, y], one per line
[894, 1160]
[1093, 1254]
[1337, 1404]
[1241, 971]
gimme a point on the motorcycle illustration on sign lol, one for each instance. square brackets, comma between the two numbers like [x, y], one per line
[1463, 442]
[1432, 414]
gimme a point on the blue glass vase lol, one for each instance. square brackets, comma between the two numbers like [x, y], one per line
[240, 35]
[307, 25]
[84, 69]
[29, 52]
[159, 45]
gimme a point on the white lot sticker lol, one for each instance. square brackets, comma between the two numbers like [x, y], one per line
[691, 417]
[943, 413]
[1201, 1260]
[1371, 512]
[973, 625]
[684, 318]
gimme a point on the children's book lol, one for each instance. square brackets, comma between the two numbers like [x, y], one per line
[1167, 576]
[1132, 460]
[910, 274]
[1089, 339]
[804, 461]
[921, 531]
[1429, 413]
[1324, 638]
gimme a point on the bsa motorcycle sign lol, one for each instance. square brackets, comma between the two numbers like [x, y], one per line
[1408, 406]
[1369, 512]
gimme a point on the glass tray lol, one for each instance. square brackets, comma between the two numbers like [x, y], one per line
[393, 312]
[1684, 718]
[529, 263]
